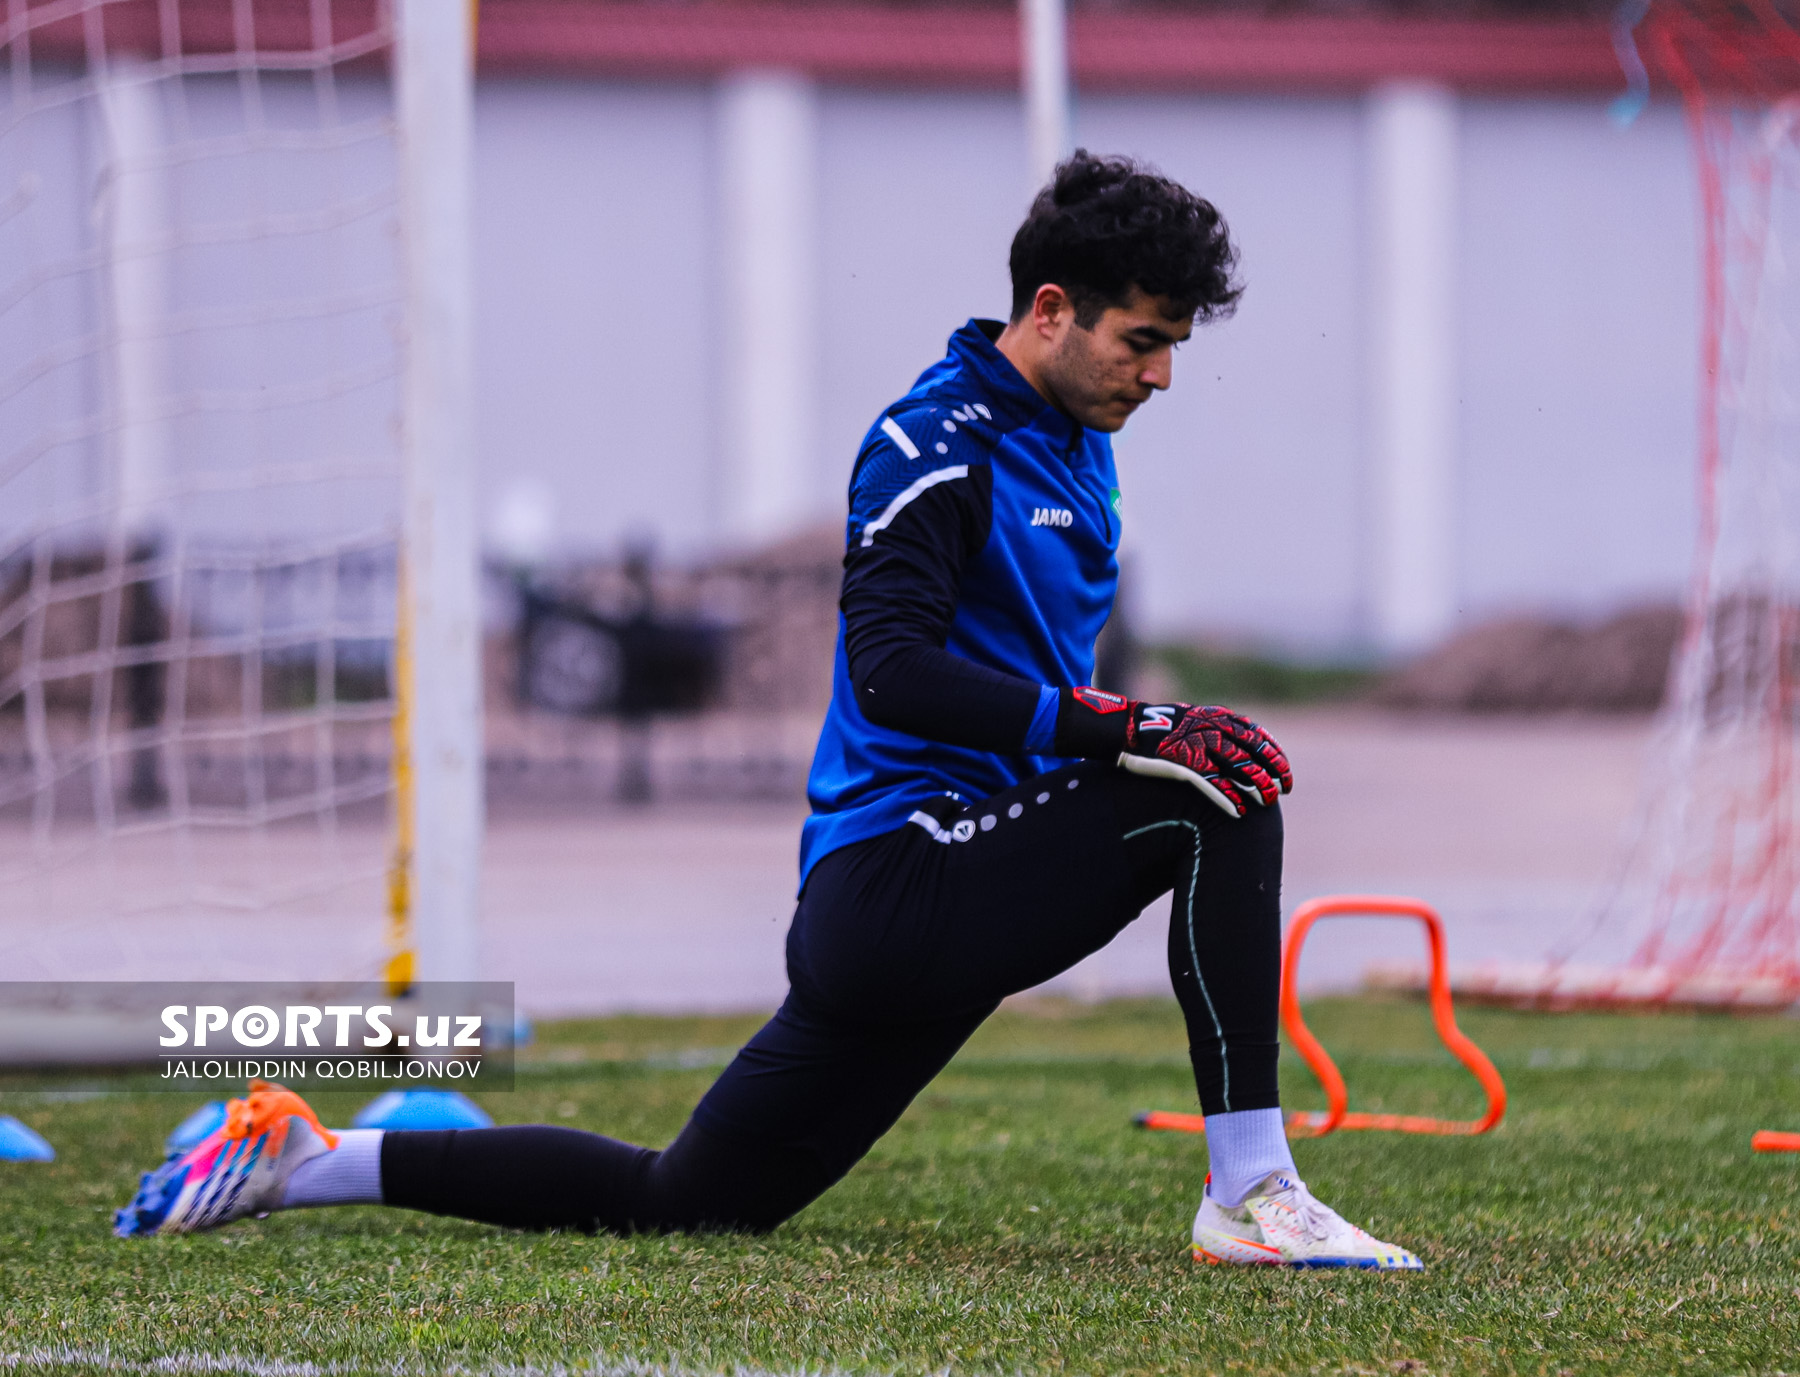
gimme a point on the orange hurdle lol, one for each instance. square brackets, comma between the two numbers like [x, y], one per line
[1337, 1114]
[1769, 1140]
[1169, 1121]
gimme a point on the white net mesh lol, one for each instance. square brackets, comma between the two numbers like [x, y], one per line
[199, 487]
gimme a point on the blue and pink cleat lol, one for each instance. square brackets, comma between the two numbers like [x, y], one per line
[239, 1169]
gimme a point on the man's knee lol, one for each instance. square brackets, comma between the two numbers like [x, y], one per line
[1260, 829]
[1144, 800]
[714, 1183]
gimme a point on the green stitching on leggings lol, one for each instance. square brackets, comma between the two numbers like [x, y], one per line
[1193, 947]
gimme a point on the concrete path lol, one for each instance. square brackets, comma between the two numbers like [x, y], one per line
[1508, 827]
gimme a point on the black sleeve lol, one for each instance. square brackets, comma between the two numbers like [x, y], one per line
[900, 595]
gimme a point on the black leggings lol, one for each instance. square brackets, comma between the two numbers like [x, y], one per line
[899, 948]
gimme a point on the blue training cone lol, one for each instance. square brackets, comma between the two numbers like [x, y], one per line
[196, 1126]
[421, 1109]
[20, 1144]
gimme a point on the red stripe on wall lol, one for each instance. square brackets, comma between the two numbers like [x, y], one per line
[980, 47]
[931, 46]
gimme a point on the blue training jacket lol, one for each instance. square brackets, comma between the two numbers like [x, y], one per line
[974, 489]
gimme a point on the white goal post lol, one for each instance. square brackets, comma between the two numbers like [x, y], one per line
[439, 673]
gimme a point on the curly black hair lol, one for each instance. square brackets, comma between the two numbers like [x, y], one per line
[1105, 225]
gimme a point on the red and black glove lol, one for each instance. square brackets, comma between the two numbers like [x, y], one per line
[1225, 756]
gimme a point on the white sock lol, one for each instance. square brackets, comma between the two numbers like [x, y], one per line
[1245, 1146]
[350, 1174]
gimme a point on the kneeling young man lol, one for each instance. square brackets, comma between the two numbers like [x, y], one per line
[982, 820]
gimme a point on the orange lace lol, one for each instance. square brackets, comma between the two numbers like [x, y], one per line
[267, 1109]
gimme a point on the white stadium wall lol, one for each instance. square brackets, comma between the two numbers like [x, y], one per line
[596, 304]
[603, 370]
[920, 198]
[1248, 487]
[1580, 293]
[1243, 485]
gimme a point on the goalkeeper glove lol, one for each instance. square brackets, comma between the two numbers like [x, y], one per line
[1225, 756]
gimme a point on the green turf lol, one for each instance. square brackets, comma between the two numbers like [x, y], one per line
[1014, 1222]
[1204, 674]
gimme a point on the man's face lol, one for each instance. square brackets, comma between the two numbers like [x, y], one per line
[1101, 376]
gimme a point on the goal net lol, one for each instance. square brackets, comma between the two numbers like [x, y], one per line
[205, 385]
[1705, 909]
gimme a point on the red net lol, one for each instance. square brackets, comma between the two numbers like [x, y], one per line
[1704, 909]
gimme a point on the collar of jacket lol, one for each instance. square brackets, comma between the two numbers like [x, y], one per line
[1021, 404]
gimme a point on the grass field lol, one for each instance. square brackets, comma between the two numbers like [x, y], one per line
[1014, 1222]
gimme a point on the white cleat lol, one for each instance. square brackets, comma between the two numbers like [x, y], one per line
[1281, 1225]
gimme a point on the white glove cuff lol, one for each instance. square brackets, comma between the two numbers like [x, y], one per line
[1158, 768]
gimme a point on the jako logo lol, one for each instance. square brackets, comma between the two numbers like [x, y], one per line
[1052, 516]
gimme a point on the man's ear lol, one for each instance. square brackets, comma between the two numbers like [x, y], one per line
[1050, 309]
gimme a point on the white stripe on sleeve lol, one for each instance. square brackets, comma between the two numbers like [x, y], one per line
[891, 428]
[894, 508]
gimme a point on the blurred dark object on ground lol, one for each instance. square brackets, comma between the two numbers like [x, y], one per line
[1534, 665]
[633, 679]
[635, 635]
[572, 659]
[785, 602]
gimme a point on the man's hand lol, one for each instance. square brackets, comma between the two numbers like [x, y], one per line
[1226, 757]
